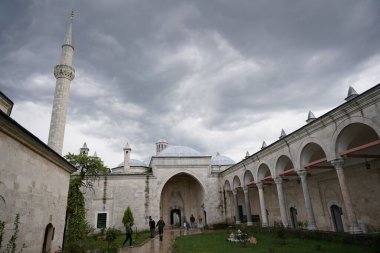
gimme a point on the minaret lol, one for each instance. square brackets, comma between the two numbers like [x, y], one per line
[64, 73]
[127, 157]
[84, 150]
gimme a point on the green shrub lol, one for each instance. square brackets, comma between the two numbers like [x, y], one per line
[111, 234]
[128, 216]
[220, 225]
[11, 245]
[279, 230]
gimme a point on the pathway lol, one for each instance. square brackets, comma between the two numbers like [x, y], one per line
[155, 246]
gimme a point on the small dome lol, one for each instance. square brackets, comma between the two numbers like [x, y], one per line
[221, 160]
[179, 151]
[161, 140]
[134, 163]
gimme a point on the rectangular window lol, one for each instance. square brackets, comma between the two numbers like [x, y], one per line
[101, 220]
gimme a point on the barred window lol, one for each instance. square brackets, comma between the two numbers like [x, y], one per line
[101, 220]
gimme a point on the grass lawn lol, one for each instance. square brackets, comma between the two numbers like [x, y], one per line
[216, 242]
[93, 243]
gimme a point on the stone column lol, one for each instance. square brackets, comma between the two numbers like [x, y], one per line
[281, 201]
[237, 217]
[309, 208]
[264, 217]
[247, 206]
[354, 226]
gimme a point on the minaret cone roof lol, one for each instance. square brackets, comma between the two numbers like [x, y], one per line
[310, 117]
[351, 93]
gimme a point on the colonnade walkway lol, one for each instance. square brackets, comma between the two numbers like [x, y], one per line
[156, 246]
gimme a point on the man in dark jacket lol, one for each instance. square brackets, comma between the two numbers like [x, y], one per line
[160, 225]
[128, 234]
[152, 226]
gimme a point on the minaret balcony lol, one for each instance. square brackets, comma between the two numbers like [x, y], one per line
[64, 71]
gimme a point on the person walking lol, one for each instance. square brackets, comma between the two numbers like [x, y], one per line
[160, 225]
[128, 234]
[152, 226]
[192, 221]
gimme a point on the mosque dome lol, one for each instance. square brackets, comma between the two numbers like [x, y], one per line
[177, 151]
[221, 160]
[134, 163]
[161, 140]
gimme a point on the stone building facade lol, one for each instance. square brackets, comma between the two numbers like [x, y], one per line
[325, 175]
[34, 182]
[175, 183]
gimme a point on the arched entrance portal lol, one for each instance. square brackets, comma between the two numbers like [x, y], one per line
[175, 217]
[181, 196]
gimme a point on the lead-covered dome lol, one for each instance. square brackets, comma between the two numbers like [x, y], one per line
[177, 151]
[221, 160]
[134, 163]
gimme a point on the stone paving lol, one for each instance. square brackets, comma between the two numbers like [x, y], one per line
[155, 246]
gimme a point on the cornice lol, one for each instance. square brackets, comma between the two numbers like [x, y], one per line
[11, 128]
[359, 103]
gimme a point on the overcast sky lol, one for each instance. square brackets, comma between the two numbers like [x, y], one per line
[213, 75]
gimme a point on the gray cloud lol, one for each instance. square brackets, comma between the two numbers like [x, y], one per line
[207, 74]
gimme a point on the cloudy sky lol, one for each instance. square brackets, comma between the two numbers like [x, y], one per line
[213, 75]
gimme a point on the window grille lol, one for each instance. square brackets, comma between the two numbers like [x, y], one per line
[102, 220]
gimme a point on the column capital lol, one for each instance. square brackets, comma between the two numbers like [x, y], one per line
[234, 191]
[302, 173]
[245, 189]
[338, 163]
[259, 185]
[278, 180]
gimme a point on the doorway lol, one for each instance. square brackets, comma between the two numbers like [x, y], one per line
[336, 213]
[175, 217]
[240, 214]
[49, 236]
[293, 216]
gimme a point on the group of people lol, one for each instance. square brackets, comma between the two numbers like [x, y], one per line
[152, 226]
[190, 225]
[160, 226]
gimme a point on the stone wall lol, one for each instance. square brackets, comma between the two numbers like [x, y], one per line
[33, 186]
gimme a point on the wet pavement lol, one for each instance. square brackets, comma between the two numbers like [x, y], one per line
[156, 246]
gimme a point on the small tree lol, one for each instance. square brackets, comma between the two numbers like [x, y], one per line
[128, 216]
[90, 169]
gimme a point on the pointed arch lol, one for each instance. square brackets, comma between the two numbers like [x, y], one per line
[236, 182]
[263, 172]
[248, 177]
[357, 140]
[283, 163]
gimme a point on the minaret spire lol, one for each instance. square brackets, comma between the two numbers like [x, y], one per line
[64, 74]
[69, 34]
